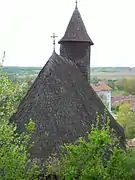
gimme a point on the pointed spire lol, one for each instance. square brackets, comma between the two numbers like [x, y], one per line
[76, 2]
[76, 30]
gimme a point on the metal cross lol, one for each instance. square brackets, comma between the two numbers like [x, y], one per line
[54, 36]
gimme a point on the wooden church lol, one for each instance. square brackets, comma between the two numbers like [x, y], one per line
[61, 101]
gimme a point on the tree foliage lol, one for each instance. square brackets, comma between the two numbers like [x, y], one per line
[126, 85]
[130, 86]
[126, 117]
[15, 161]
[11, 94]
[98, 157]
[111, 83]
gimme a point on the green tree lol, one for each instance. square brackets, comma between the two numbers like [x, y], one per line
[126, 85]
[120, 84]
[131, 86]
[11, 94]
[126, 117]
[111, 83]
[95, 80]
[98, 157]
[15, 161]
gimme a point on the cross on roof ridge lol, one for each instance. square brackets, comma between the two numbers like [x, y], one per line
[54, 36]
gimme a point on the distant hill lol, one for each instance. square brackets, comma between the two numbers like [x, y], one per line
[113, 72]
[102, 72]
[21, 71]
[112, 69]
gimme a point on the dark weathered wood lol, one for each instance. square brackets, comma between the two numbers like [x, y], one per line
[61, 101]
[62, 104]
[76, 30]
[76, 44]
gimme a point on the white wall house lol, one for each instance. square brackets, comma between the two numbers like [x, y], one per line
[104, 92]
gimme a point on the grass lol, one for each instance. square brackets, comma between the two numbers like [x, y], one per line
[117, 92]
[120, 92]
[115, 75]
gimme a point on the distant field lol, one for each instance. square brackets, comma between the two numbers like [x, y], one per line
[21, 71]
[114, 75]
[99, 72]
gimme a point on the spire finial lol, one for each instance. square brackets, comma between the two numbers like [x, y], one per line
[54, 36]
[76, 2]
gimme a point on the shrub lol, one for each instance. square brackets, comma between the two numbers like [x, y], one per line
[126, 117]
[98, 157]
[15, 161]
[11, 93]
[115, 109]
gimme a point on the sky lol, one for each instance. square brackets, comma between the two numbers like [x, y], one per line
[26, 27]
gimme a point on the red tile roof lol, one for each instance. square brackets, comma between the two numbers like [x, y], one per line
[101, 86]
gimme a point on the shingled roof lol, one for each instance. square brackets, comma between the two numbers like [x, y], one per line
[76, 30]
[101, 86]
[62, 104]
[61, 101]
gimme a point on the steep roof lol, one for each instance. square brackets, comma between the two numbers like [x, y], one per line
[101, 86]
[76, 30]
[62, 104]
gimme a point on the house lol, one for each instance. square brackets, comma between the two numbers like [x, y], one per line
[104, 92]
[118, 99]
[60, 101]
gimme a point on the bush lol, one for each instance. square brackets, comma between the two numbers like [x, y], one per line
[115, 109]
[126, 118]
[11, 93]
[15, 161]
[98, 157]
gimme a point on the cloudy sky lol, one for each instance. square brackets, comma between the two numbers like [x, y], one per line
[26, 27]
